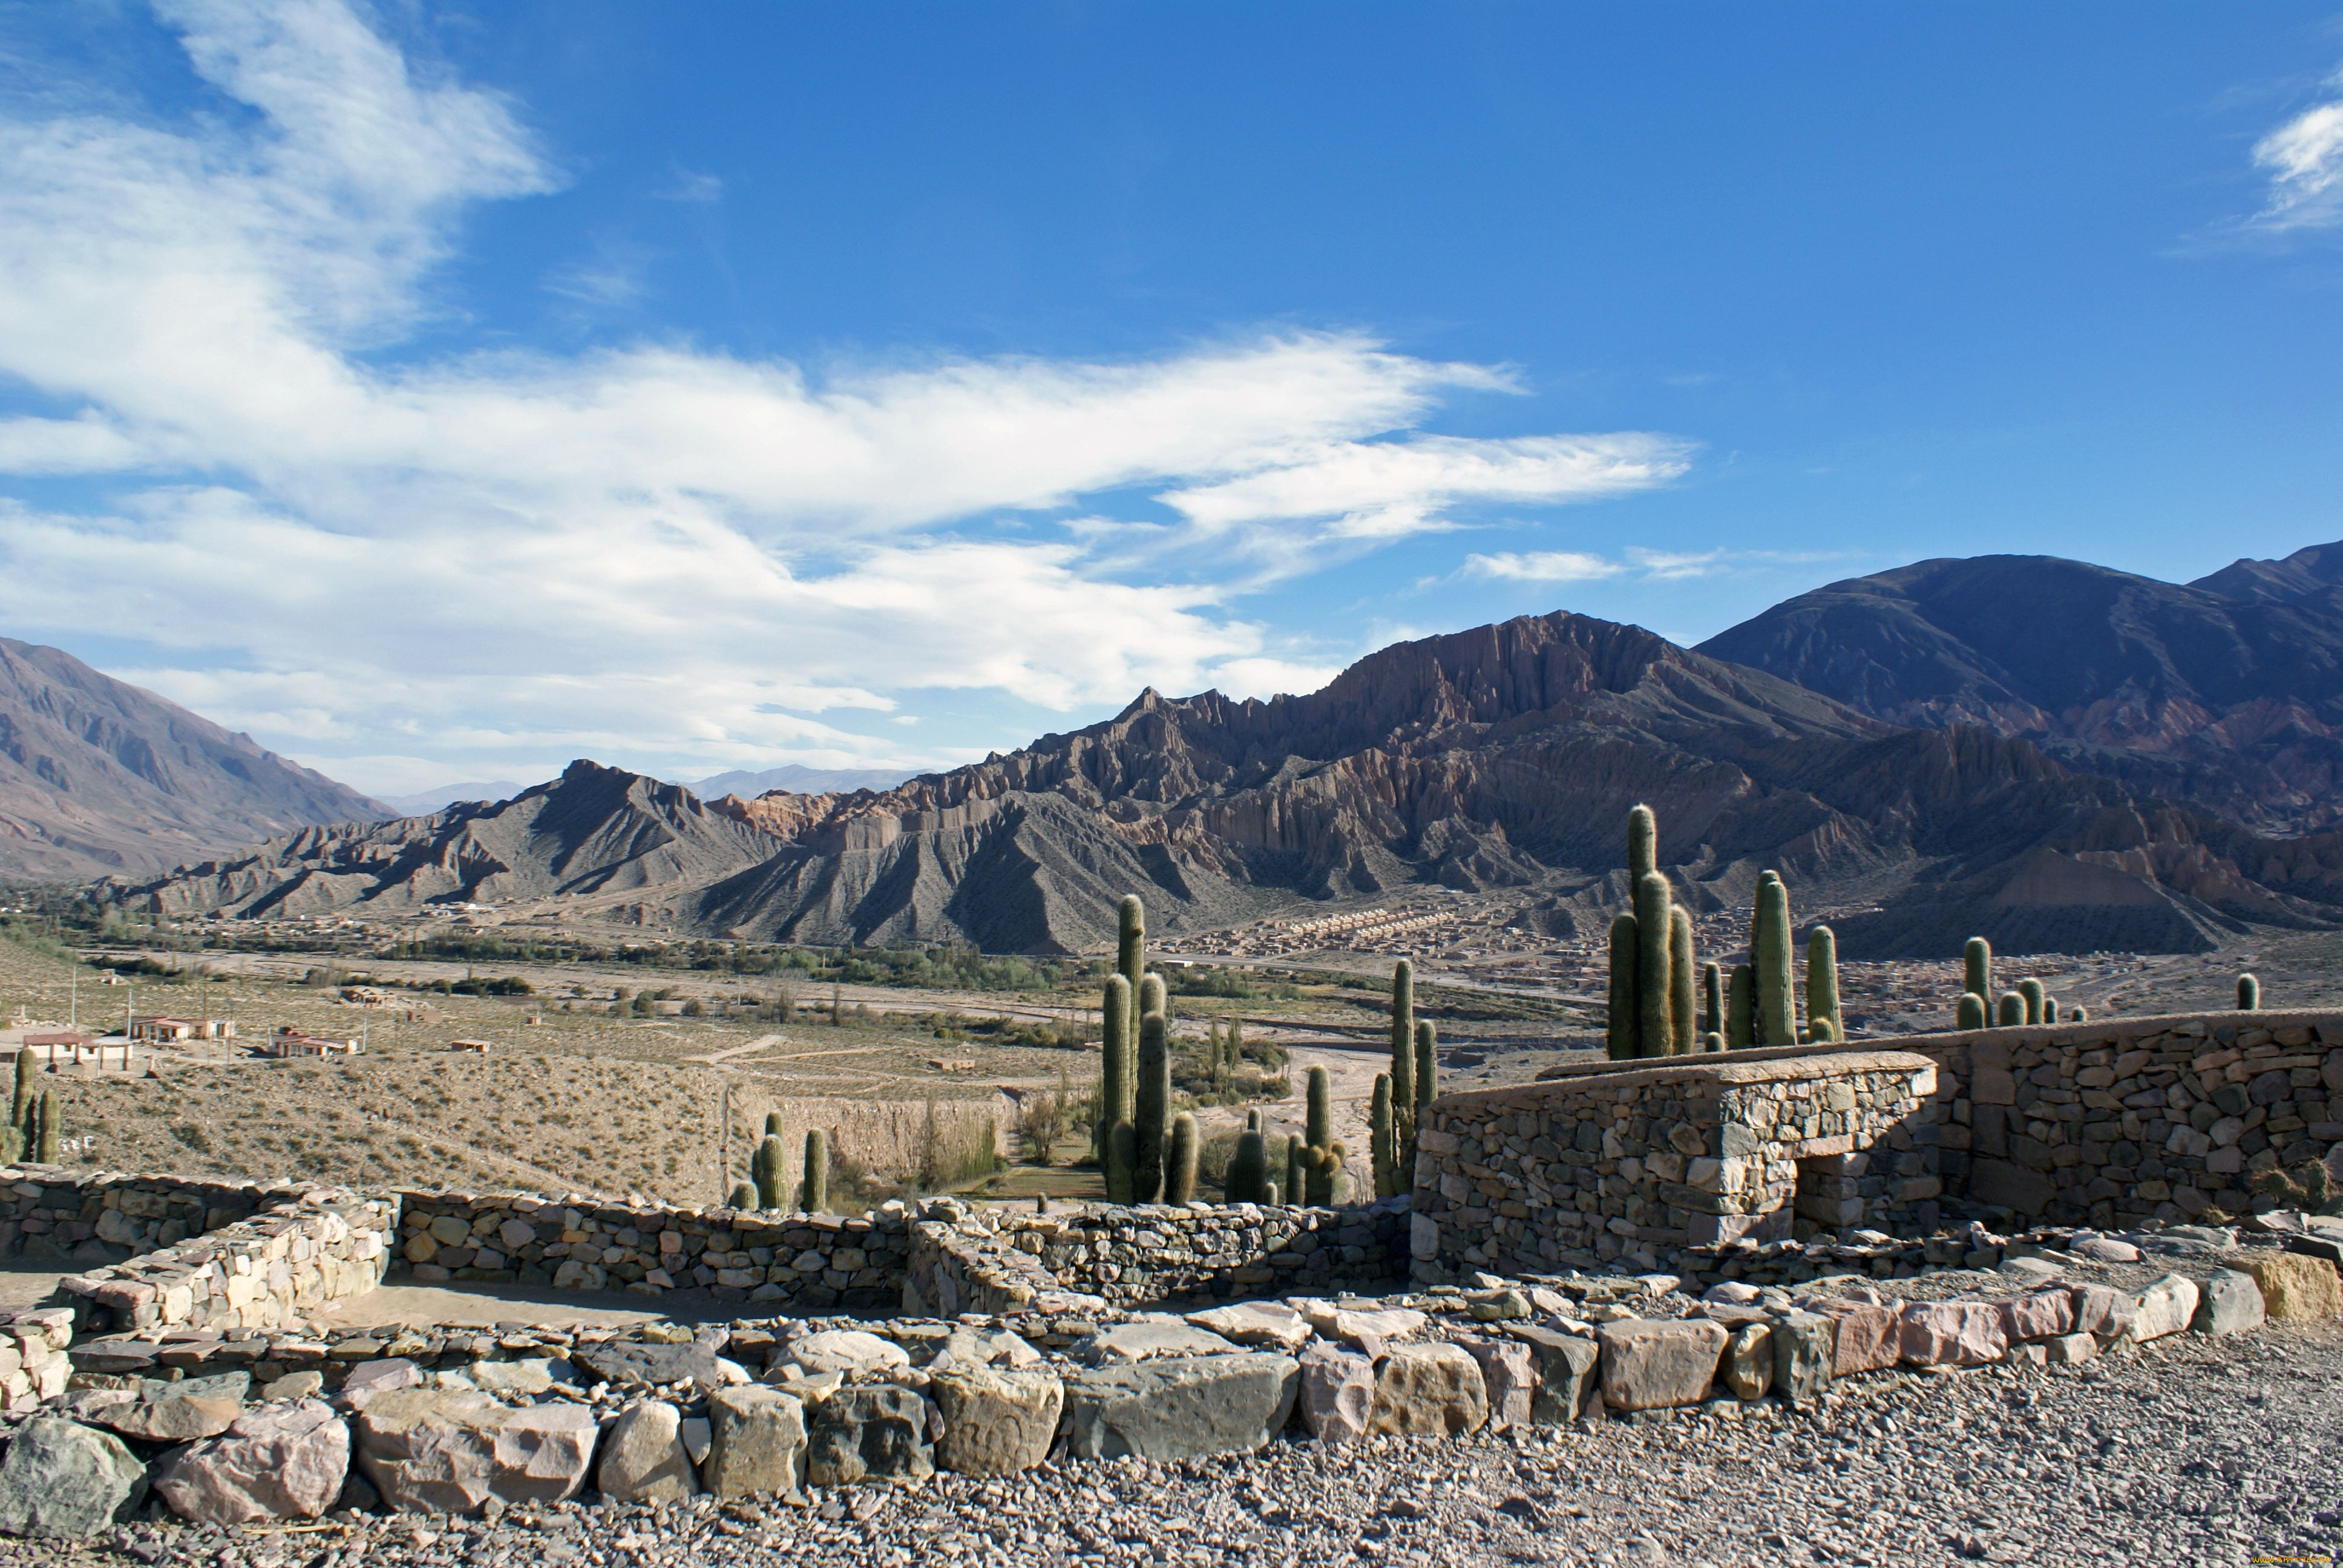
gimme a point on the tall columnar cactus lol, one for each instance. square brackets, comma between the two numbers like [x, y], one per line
[1970, 1014]
[1654, 1000]
[1297, 1172]
[1769, 951]
[768, 1169]
[813, 1186]
[51, 1125]
[1403, 1046]
[1152, 1112]
[1121, 1162]
[1116, 1078]
[2249, 993]
[744, 1197]
[1643, 844]
[1619, 1033]
[1320, 1158]
[1427, 1072]
[1741, 1009]
[28, 1089]
[1976, 967]
[1683, 1018]
[2010, 1011]
[1382, 1143]
[773, 1125]
[1248, 1181]
[1712, 997]
[1180, 1160]
[2031, 990]
[1822, 985]
[1131, 954]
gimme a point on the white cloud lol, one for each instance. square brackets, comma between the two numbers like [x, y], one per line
[2304, 158]
[658, 550]
[1540, 566]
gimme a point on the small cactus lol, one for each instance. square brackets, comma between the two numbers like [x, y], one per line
[1324, 1164]
[1297, 1172]
[1153, 1109]
[2079, 1015]
[1684, 1022]
[1427, 1065]
[1619, 1030]
[1741, 1008]
[1976, 967]
[1822, 985]
[2011, 1009]
[1248, 1179]
[744, 1197]
[768, 1169]
[1711, 1041]
[1121, 1162]
[813, 1187]
[2031, 990]
[2049, 1010]
[1180, 1161]
[2249, 993]
[1769, 954]
[1970, 1012]
[1820, 1032]
[1253, 1120]
[1381, 1143]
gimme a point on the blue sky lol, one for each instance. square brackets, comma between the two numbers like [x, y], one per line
[443, 391]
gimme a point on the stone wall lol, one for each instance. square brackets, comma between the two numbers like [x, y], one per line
[805, 1261]
[1591, 1166]
[265, 1271]
[53, 1214]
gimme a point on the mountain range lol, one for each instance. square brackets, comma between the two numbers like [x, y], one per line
[2051, 754]
[98, 777]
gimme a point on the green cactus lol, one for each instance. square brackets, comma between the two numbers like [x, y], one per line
[1976, 967]
[51, 1125]
[1711, 996]
[1180, 1160]
[1324, 1165]
[1236, 1040]
[1643, 844]
[1711, 1041]
[1427, 1068]
[1683, 1021]
[1248, 1181]
[1116, 1078]
[1655, 995]
[2079, 1015]
[1152, 1112]
[2010, 1011]
[768, 1169]
[2031, 990]
[744, 1198]
[773, 1127]
[28, 1089]
[1252, 1120]
[1820, 1032]
[1318, 1122]
[1741, 1009]
[1121, 1162]
[1619, 1031]
[1770, 953]
[2049, 1010]
[1822, 984]
[813, 1186]
[1970, 1013]
[1131, 955]
[1151, 995]
[1383, 1145]
[2250, 994]
[1402, 1047]
[1297, 1172]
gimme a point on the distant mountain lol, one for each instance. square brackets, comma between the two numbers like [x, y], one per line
[424, 803]
[798, 779]
[99, 776]
[2229, 700]
[2311, 578]
[1506, 755]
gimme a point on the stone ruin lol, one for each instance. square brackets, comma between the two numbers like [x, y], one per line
[1615, 1240]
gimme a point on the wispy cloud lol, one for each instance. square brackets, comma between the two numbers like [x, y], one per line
[1648, 565]
[1541, 567]
[2304, 159]
[484, 556]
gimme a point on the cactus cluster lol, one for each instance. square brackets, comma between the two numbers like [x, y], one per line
[1653, 964]
[20, 1139]
[1393, 1144]
[1136, 1146]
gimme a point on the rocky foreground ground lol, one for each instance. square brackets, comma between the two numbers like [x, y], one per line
[2190, 1450]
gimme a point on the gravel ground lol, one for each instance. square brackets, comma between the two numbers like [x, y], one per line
[2192, 1450]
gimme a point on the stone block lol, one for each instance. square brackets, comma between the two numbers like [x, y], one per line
[644, 1457]
[1256, 1323]
[62, 1481]
[2166, 1307]
[1144, 1339]
[1870, 1337]
[2012, 1186]
[1509, 1376]
[1806, 1350]
[2230, 1303]
[2296, 1288]
[1952, 1333]
[1569, 1372]
[449, 1451]
[2071, 1350]
[2042, 1315]
[1337, 1392]
[996, 1422]
[1655, 1364]
[1180, 1407]
[178, 1412]
[1748, 1369]
[1428, 1390]
[283, 1461]
[757, 1444]
[876, 1431]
